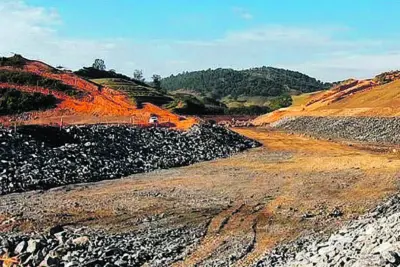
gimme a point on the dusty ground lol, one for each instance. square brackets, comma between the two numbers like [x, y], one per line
[249, 202]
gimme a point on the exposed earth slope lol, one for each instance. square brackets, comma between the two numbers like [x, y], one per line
[369, 98]
[78, 100]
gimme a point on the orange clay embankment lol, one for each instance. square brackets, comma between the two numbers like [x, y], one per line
[100, 105]
[376, 97]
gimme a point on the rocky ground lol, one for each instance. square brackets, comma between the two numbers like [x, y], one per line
[225, 212]
[364, 129]
[36, 157]
[66, 246]
[372, 240]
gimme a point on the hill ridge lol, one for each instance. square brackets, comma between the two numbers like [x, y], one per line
[262, 81]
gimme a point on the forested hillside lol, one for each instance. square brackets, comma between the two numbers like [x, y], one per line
[264, 81]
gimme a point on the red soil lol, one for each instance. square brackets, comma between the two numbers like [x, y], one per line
[100, 105]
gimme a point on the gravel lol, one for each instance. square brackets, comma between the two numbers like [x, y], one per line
[36, 157]
[361, 129]
[64, 246]
[372, 240]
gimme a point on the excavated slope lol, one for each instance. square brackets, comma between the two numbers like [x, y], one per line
[99, 104]
[366, 98]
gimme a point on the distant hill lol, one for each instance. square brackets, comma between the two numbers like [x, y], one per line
[264, 81]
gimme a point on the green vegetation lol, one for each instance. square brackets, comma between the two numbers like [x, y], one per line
[13, 101]
[265, 81]
[31, 79]
[247, 105]
[16, 61]
[156, 81]
[246, 92]
[282, 101]
[138, 75]
[99, 64]
[188, 104]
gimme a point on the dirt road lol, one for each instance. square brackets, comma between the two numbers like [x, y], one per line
[246, 204]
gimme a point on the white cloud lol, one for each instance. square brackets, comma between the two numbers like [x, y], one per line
[242, 13]
[354, 66]
[318, 51]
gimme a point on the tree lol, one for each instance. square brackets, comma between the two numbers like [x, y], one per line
[156, 81]
[138, 75]
[99, 64]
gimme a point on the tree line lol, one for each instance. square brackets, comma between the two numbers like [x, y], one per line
[264, 81]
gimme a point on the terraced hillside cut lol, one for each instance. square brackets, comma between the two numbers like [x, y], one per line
[137, 92]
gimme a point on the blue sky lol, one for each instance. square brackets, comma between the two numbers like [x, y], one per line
[330, 40]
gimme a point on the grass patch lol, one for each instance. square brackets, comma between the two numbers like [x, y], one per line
[299, 100]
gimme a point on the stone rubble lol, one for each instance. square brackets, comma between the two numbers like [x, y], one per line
[372, 240]
[37, 157]
[68, 247]
[382, 130]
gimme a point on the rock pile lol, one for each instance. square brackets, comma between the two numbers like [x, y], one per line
[37, 157]
[365, 129]
[82, 247]
[236, 123]
[372, 240]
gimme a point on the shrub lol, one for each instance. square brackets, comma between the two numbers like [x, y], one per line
[15, 61]
[13, 101]
[282, 101]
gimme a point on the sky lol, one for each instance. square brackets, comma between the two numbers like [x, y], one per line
[330, 40]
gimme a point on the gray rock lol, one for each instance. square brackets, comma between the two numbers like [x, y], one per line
[33, 246]
[20, 247]
[78, 154]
